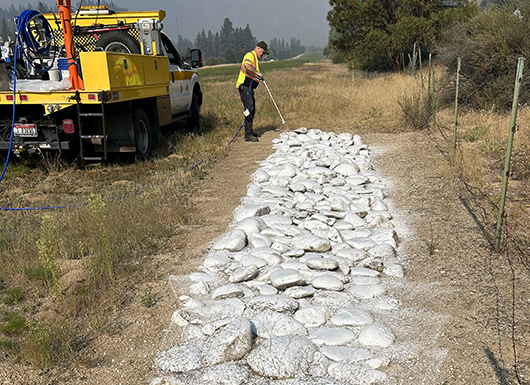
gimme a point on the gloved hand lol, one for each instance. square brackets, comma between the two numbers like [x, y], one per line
[260, 76]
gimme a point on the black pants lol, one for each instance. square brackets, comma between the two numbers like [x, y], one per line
[247, 97]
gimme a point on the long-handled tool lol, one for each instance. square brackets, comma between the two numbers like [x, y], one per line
[283, 120]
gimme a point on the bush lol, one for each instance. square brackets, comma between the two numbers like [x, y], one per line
[416, 110]
[14, 295]
[213, 61]
[489, 59]
[476, 133]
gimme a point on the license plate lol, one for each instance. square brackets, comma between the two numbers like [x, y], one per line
[25, 130]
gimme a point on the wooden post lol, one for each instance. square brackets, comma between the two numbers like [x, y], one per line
[507, 161]
[456, 111]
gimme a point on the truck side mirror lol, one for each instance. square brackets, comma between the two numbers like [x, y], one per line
[196, 58]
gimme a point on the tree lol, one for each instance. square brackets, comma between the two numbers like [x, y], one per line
[489, 60]
[4, 30]
[375, 33]
[226, 36]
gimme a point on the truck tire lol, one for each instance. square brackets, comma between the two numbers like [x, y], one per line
[143, 136]
[194, 120]
[117, 41]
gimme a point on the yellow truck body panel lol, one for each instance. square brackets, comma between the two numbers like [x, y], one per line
[88, 19]
[117, 71]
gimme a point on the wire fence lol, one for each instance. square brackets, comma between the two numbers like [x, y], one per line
[501, 228]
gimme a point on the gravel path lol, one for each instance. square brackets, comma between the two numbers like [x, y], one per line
[304, 288]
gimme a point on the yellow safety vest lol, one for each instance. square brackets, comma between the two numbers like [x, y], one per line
[251, 59]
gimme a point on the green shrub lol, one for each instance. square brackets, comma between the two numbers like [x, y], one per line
[13, 295]
[490, 146]
[12, 323]
[416, 110]
[476, 133]
[489, 45]
[146, 298]
[7, 345]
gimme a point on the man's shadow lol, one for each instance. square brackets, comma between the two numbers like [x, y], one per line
[263, 129]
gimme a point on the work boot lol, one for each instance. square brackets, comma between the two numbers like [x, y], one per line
[256, 134]
[251, 138]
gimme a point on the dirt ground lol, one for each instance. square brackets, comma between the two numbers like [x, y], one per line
[456, 295]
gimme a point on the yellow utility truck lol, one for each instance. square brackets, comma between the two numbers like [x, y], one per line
[94, 82]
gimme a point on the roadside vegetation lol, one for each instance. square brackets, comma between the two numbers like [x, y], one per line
[65, 274]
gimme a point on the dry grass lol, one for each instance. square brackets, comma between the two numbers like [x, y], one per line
[107, 244]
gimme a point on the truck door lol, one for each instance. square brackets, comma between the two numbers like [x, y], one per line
[179, 87]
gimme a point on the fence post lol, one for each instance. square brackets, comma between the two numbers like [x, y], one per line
[421, 69]
[414, 61]
[506, 174]
[429, 88]
[403, 60]
[433, 100]
[456, 110]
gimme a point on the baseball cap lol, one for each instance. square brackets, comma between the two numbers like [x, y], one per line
[263, 46]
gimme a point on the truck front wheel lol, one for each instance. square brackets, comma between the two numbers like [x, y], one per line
[143, 136]
[194, 121]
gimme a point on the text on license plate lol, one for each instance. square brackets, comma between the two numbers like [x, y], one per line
[26, 130]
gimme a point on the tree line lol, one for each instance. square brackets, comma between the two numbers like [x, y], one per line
[230, 44]
[380, 35]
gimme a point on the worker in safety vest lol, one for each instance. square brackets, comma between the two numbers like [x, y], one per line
[248, 80]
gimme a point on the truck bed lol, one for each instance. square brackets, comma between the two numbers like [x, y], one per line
[113, 77]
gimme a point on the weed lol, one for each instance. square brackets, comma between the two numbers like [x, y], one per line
[12, 323]
[53, 163]
[477, 132]
[372, 113]
[146, 298]
[14, 295]
[17, 170]
[48, 253]
[96, 209]
[7, 345]
[416, 110]
[38, 273]
[490, 146]
[38, 348]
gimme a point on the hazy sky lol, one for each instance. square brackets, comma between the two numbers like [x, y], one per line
[303, 19]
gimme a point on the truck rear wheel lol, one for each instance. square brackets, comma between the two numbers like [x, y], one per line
[143, 136]
[116, 41]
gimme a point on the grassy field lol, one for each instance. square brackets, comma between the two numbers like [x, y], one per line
[64, 274]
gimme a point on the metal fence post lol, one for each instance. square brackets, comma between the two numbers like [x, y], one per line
[456, 110]
[506, 174]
